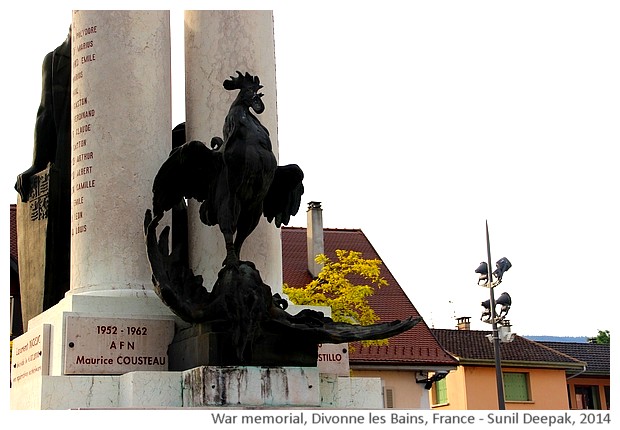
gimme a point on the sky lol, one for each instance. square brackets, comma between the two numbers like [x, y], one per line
[417, 122]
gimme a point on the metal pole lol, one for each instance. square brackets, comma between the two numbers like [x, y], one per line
[496, 351]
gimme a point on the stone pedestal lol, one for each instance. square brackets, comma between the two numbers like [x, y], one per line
[242, 387]
[251, 386]
[205, 386]
[52, 379]
[351, 393]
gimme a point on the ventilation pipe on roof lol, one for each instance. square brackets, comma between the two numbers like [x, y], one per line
[314, 236]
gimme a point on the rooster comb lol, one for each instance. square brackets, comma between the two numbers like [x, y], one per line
[242, 81]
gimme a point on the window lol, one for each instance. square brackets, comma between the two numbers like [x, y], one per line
[516, 387]
[587, 397]
[607, 394]
[440, 392]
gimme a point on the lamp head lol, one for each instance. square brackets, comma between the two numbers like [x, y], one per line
[504, 300]
[483, 271]
[502, 266]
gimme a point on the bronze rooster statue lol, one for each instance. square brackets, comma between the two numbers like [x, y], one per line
[238, 181]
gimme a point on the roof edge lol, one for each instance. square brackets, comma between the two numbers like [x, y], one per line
[524, 363]
[400, 366]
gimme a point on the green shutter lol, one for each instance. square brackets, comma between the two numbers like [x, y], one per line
[441, 392]
[516, 387]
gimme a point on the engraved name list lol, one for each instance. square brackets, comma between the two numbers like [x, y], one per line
[83, 113]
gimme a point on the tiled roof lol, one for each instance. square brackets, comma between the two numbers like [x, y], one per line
[13, 233]
[415, 347]
[474, 346]
[596, 356]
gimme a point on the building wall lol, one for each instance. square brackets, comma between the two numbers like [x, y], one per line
[457, 393]
[474, 388]
[406, 392]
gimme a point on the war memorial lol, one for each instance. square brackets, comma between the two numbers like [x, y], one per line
[150, 259]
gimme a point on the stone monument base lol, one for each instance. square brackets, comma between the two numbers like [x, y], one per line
[199, 387]
[43, 375]
[208, 386]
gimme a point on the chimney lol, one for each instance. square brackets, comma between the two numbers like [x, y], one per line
[314, 236]
[462, 323]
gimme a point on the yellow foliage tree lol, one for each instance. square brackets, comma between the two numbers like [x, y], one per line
[333, 288]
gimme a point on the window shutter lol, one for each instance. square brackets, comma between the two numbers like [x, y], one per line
[441, 392]
[389, 398]
[516, 386]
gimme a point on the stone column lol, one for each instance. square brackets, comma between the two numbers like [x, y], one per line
[121, 128]
[217, 44]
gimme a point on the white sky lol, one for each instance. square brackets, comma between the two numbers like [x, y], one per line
[416, 124]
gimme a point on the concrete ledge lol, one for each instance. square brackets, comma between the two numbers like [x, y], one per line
[206, 386]
[351, 393]
[151, 390]
[251, 386]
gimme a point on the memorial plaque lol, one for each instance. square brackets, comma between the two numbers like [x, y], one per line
[334, 359]
[114, 346]
[30, 355]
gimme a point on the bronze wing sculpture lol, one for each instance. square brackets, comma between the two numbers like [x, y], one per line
[238, 181]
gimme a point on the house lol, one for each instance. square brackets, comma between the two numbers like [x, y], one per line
[404, 365]
[534, 374]
[588, 388]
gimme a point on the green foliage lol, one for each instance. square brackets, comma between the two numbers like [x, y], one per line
[333, 288]
[601, 338]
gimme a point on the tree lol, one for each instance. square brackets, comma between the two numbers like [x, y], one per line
[334, 288]
[601, 338]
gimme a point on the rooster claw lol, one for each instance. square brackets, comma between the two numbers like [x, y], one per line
[231, 260]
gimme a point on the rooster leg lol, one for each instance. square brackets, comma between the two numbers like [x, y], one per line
[245, 226]
[232, 257]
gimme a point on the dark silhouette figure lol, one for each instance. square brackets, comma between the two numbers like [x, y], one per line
[52, 134]
[52, 146]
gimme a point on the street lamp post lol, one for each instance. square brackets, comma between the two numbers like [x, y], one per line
[496, 351]
[485, 274]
